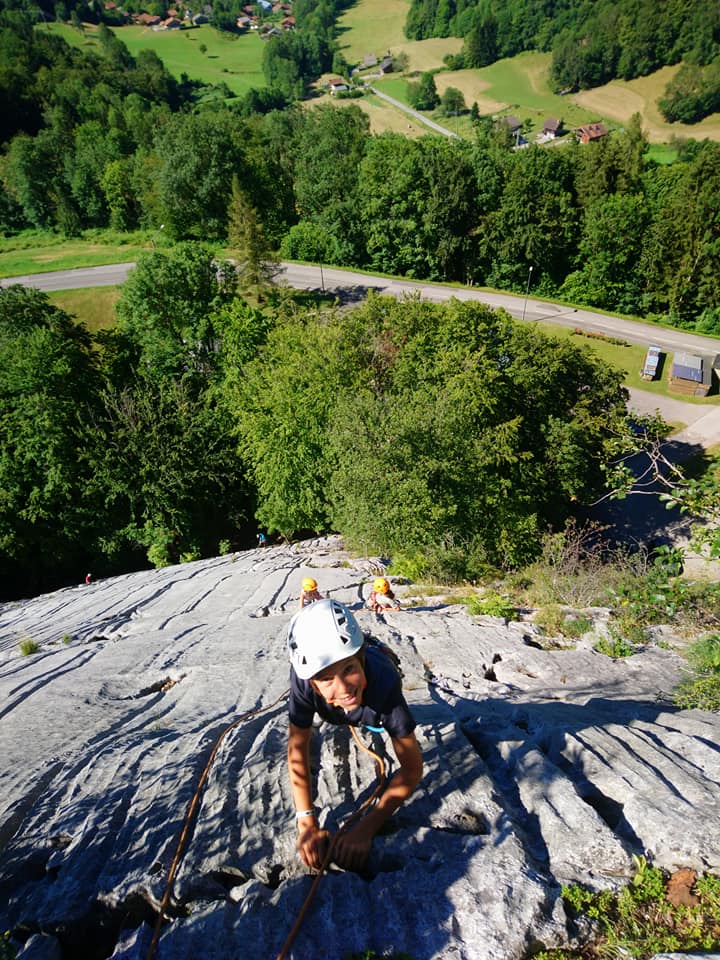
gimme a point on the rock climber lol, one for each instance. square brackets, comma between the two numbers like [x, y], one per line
[343, 679]
[382, 597]
[309, 593]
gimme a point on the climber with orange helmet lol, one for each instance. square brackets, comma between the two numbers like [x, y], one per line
[309, 593]
[382, 597]
[336, 675]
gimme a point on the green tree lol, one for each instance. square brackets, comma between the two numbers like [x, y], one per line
[165, 466]
[329, 147]
[167, 305]
[198, 155]
[48, 383]
[536, 222]
[610, 249]
[246, 237]
[422, 94]
[282, 406]
[415, 427]
[480, 47]
[472, 432]
[680, 266]
[453, 102]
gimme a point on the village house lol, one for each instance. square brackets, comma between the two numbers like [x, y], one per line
[171, 23]
[336, 85]
[288, 23]
[552, 128]
[591, 132]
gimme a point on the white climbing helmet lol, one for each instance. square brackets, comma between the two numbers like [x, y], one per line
[320, 635]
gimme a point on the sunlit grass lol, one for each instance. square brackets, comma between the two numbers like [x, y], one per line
[41, 251]
[228, 58]
[95, 307]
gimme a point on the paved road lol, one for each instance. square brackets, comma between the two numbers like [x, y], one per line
[109, 276]
[350, 284]
[703, 422]
[421, 118]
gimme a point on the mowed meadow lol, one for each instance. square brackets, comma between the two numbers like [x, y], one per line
[234, 59]
[519, 86]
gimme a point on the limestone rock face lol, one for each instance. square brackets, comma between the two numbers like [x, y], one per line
[541, 768]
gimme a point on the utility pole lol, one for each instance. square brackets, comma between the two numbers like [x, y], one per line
[527, 291]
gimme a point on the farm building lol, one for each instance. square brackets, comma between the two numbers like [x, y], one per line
[337, 85]
[553, 128]
[692, 375]
[590, 132]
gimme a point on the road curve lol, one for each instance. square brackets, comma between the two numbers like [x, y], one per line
[350, 283]
[702, 421]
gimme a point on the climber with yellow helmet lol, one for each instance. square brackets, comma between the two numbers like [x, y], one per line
[338, 676]
[382, 597]
[309, 593]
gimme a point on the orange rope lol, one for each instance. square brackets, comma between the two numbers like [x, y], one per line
[192, 806]
[328, 856]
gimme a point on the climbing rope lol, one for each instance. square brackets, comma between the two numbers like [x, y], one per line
[380, 763]
[190, 813]
[192, 807]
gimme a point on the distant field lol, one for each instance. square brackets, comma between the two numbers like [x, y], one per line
[231, 59]
[383, 117]
[428, 54]
[372, 26]
[518, 86]
[619, 99]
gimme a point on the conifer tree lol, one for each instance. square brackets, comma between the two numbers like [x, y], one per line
[246, 238]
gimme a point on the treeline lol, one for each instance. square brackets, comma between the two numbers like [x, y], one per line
[591, 43]
[91, 146]
[449, 433]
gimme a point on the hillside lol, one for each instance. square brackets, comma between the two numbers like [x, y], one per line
[544, 764]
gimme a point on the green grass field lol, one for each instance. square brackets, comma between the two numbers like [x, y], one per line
[518, 86]
[95, 307]
[40, 252]
[372, 26]
[229, 58]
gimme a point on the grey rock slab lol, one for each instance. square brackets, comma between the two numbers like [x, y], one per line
[542, 767]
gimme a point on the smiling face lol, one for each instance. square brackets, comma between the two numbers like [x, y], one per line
[342, 684]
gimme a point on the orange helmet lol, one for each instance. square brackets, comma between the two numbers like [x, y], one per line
[381, 585]
[309, 583]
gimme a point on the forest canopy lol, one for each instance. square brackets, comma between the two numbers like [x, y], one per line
[448, 431]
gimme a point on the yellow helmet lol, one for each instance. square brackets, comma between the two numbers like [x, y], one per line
[381, 585]
[309, 584]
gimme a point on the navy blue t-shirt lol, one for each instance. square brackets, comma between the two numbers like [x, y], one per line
[383, 701]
